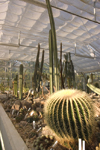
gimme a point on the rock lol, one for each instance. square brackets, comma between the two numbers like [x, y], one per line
[38, 109]
[17, 125]
[91, 96]
[7, 110]
[37, 104]
[17, 105]
[19, 118]
[5, 106]
[23, 123]
[32, 133]
[33, 113]
[23, 111]
[30, 100]
[33, 106]
[26, 104]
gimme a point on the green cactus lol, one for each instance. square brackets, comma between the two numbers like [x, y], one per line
[41, 69]
[68, 74]
[69, 113]
[94, 89]
[51, 61]
[16, 86]
[21, 81]
[35, 76]
[53, 31]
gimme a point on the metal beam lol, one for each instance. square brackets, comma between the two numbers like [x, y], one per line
[40, 4]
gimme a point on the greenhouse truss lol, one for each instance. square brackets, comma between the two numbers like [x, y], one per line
[25, 23]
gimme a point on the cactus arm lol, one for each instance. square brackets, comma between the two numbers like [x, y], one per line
[51, 61]
[94, 89]
[54, 43]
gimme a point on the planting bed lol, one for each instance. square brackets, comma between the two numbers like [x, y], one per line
[40, 136]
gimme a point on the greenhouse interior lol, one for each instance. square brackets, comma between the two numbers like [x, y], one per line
[49, 75]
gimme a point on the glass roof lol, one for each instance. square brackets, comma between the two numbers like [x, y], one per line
[25, 23]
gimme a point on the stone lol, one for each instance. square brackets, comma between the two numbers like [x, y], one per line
[26, 104]
[17, 105]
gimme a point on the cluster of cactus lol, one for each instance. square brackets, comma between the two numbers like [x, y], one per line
[94, 89]
[43, 142]
[69, 113]
[21, 81]
[37, 77]
[68, 74]
[16, 86]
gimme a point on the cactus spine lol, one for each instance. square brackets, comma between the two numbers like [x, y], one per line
[54, 44]
[69, 114]
[16, 86]
[94, 89]
[51, 61]
[21, 81]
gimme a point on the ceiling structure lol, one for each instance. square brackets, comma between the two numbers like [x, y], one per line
[25, 23]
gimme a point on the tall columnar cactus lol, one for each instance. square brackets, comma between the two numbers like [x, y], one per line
[53, 31]
[16, 86]
[41, 69]
[51, 61]
[35, 76]
[61, 67]
[21, 81]
[94, 89]
[69, 114]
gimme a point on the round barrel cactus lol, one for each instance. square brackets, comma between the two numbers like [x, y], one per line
[69, 113]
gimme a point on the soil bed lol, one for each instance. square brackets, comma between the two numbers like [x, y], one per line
[39, 136]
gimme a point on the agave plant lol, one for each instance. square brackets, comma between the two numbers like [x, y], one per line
[69, 113]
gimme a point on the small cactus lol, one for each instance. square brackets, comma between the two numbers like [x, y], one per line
[69, 114]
